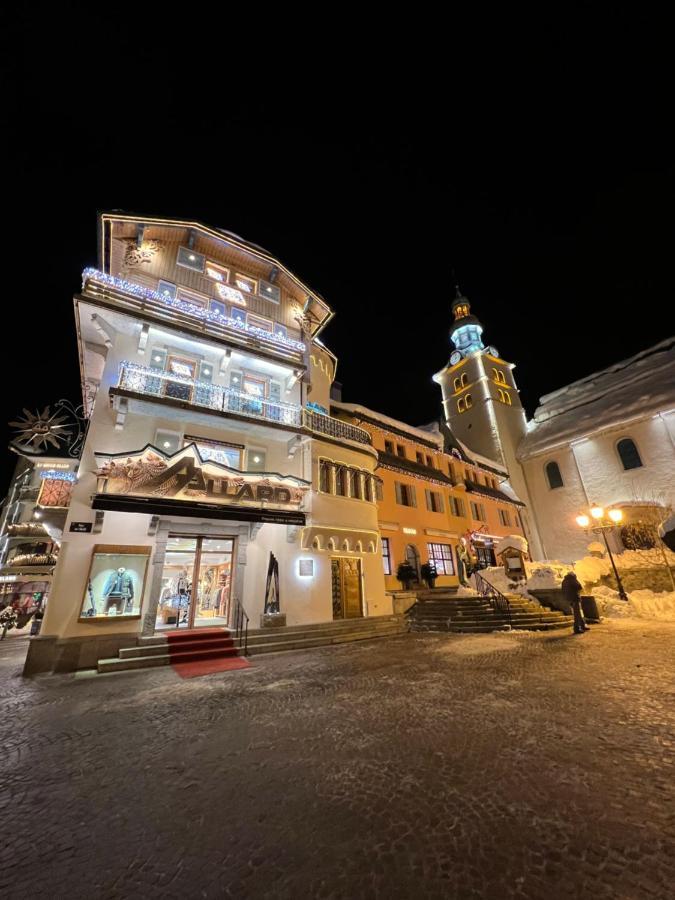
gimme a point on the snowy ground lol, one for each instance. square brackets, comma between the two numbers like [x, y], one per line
[423, 766]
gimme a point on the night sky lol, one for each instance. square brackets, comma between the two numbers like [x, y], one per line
[546, 185]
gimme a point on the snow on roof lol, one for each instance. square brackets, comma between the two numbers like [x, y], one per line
[479, 460]
[630, 389]
[386, 421]
[511, 541]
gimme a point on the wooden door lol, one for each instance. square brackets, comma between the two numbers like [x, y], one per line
[346, 588]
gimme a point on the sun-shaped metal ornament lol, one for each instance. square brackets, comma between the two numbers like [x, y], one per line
[37, 432]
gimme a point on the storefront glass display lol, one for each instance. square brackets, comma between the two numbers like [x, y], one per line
[196, 582]
[116, 581]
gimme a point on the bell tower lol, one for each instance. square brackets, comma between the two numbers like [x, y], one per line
[481, 403]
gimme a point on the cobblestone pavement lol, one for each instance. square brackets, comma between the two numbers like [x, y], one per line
[497, 766]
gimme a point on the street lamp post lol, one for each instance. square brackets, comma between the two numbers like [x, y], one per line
[598, 523]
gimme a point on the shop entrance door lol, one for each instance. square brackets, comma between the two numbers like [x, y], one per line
[196, 582]
[346, 588]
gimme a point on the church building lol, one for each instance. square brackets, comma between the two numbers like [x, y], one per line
[607, 439]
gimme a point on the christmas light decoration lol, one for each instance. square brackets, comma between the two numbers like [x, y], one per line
[58, 476]
[137, 290]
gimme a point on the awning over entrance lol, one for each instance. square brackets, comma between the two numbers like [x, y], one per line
[168, 507]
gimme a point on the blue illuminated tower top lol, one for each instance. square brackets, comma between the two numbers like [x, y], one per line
[467, 330]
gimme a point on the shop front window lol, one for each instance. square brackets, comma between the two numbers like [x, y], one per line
[196, 582]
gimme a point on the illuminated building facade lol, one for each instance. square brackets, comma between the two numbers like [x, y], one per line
[209, 442]
[435, 499]
[606, 439]
[31, 527]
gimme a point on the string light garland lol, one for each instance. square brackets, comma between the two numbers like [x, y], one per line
[137, 290]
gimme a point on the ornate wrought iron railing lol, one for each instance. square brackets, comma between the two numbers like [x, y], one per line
[240, 625]
[218, 397]
[498, 601]
[335, 427]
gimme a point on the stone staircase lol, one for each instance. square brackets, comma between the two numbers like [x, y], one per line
[301, 637]
[477, 614]
[192, 645]
[154, 651]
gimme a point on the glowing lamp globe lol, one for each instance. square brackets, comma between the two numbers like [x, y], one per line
[597, 512]
[615, 515]
[583, 521]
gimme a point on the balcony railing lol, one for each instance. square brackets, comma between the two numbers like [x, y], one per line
[219, 398]
[33, 559]
[335, 427]
[143, 380]
[106, 287]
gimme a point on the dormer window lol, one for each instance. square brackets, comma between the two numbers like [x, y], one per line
[248, 285]
[217, 272]
[270, 292]
[189, 259]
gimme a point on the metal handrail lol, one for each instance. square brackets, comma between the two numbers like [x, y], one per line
[241, 625]
[498, 601]
[219, 397]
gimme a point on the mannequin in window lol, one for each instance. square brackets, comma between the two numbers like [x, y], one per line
[118, 592]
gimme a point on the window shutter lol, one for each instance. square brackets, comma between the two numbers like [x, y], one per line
[413, 498]
[427, 494]
[275, 391]
[441, 506]
[399, 498]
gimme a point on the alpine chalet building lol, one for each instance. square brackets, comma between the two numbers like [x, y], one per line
[208, 393]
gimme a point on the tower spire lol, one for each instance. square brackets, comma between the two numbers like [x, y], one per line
[466, 331]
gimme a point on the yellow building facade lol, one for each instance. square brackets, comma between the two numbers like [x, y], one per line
[433, 496]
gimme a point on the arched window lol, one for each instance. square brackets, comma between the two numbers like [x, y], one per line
[628, 454]
[465, 380]
[468, 401]
[460, 405]
[553, 475]
[458, 384]
[507, 398]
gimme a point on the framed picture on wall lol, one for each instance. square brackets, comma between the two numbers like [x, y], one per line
[115, 583]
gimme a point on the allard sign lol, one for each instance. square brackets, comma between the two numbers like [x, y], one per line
[185, 476]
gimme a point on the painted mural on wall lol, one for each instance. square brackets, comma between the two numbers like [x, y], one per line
[186, 476]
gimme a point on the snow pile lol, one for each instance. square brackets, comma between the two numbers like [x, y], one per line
[511, 541]
[590, 569]
[667, 532]
[643, 559]
[641, 605]
[546, 575]
[465, 591]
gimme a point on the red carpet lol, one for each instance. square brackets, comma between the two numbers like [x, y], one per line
[208, 666]
[201, 651]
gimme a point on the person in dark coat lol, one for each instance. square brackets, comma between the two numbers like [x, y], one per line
[572, 588]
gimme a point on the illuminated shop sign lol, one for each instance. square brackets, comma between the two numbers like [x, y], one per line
[185, 477]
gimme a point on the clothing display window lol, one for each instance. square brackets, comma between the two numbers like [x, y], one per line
[196, 582]
[115, 583]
